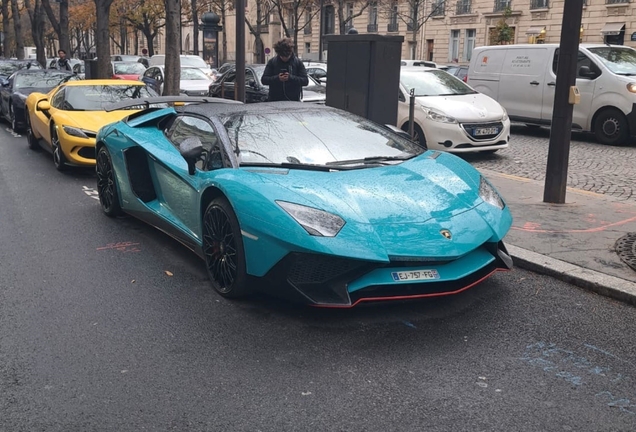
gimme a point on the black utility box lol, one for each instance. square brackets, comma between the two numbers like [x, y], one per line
[90, 69]
[364, 75]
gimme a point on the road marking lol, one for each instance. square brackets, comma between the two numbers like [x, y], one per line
[121, 246]
[91, 192]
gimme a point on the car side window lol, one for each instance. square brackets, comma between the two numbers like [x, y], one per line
[249, 76]
[149, 73]
[230, 78]
[186, 126]
[58, 99]
[582, 60]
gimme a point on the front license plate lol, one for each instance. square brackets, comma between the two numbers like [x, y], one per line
[414, 275]
[486, 131]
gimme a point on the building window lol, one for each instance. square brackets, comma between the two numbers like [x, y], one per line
[616, 1]
[463, 7]
[539, 4]
[453, 50]
[349, 17]
[469, 43]
[501, 5]
[393, 19]
[372, 26]
[438, 7]
[307, 48]
[329, 20]
[308, 21]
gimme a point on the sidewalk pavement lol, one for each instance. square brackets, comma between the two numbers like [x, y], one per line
[575, 241]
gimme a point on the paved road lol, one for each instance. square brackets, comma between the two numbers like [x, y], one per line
[96, 336]
[593, 167]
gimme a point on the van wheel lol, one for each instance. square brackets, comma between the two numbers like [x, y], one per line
[610, 127]
[418, 132]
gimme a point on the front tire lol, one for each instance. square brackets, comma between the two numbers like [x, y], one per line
[419, 137]
[106, 186]
[611, 128]
[59, 160]
[223, 250]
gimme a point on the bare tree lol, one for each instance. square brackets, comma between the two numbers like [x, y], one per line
[8, 38]
[102, 37]
[61, 27]
[36, 16]
[263, 10]
[346, 13]
[17, 26]
[173, 43]
[295, 15]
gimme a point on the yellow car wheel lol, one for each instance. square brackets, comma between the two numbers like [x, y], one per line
[58, 155]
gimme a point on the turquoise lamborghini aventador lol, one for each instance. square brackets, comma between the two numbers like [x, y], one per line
[305, 201]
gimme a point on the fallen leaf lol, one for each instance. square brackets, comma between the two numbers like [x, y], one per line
[305, 394]
[132, 281]
[169, 273]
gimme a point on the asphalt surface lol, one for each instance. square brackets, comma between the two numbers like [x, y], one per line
[109, 325]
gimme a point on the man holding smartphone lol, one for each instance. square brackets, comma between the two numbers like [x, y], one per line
[285, 74]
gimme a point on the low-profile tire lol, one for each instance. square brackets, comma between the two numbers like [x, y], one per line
[32, 141]
[59, 160]
[14, 125]
[223, 250]
[419, 137]
[106, 186]
[611, 128]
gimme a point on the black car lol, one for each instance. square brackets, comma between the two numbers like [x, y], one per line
[14, 92]
[255, 91]
[8, 67]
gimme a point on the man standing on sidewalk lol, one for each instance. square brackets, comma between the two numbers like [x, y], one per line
[285, 74]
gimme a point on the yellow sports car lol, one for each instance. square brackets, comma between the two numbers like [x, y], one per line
[66, 120]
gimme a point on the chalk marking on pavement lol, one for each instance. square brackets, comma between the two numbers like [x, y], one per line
[528, 180]
[91, 192]
[121, 246]
[588, 230]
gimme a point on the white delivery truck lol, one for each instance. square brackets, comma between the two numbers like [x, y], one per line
[522, 78]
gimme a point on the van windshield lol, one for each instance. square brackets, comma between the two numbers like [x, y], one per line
[621, 61]
[433, 83]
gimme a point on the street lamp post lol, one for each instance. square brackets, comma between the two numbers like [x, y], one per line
[211, 28]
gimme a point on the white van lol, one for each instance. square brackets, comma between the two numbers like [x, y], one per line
[522, 78]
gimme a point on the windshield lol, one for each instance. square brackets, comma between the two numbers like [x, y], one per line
[193, 74]
[129, 68]
[194, 62]
[42, 80]
[621, 61]
[433, 83]
[95, 97]
[8, 67]
[317, 137]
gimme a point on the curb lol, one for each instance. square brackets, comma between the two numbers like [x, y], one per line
[606, 285]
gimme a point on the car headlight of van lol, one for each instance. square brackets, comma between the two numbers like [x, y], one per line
[316, 222]
[438, 116]
[76, 132]
[631, 87]
[489, 194]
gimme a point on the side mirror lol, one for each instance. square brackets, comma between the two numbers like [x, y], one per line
[43, 105]
[191, 149]
[586, 72]
[4, 82]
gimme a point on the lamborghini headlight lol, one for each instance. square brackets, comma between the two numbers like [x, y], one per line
[73, 131]
[489, 194]
[316, 222]
[438, 116]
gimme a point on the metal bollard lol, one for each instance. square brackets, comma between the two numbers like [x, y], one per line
[412, 113]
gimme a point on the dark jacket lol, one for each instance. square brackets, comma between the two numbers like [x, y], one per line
[290, 90]
[63, 65]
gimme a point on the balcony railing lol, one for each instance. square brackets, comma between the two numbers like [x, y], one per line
[392, 27]
[372, 28]
[501, 5]
[539, 4]
[616, 1]
[463, 7]
[438, 8]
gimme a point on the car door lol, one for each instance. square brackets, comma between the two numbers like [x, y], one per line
[177, 190]
[42, 121]
[150, 78]
[227, 90]
[586, 85]
[254, 91]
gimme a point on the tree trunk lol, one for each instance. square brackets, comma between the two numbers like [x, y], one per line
[17, 25]
[36, 17]
[61, 27]
[102, 38]
[341, 18]
[123, 35]
[224, 46]
[171, 84]
[195, 28]
[150, 41]
[6, 44]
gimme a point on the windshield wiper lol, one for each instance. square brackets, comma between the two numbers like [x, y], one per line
[625, 73]
[299, 166]
[370, 160]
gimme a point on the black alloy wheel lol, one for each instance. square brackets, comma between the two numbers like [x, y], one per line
[106, 187]
[223, 250]
[58, 155]
[32, 141]
[611, 128]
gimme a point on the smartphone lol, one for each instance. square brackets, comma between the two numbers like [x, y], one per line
[283, 71]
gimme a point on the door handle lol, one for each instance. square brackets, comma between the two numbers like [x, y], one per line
[552, 84]
[535, 83]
